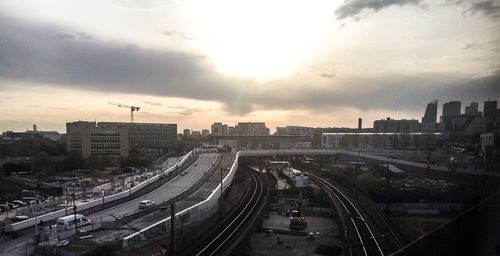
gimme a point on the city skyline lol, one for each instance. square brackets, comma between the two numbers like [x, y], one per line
[276, 62]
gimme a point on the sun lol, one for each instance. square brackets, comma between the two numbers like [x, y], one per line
[262, 40]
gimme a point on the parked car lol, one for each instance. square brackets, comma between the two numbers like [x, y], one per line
[4, 207]
[12, 206]
[19, 218]
[146, 204]
[19, 203]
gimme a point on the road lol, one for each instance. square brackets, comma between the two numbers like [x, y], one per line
[22, 244]
[166, 192]
[201, 192]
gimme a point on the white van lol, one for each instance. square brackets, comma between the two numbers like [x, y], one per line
[68, 222]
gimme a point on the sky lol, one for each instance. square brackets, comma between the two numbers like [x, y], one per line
[312, 63]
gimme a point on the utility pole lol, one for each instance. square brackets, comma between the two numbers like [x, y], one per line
[74, 212]
[172, 229]
[221, 191]
[103, 199]
[428, 165]
[387, 186]
[356, 176]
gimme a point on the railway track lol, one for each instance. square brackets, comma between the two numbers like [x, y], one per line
[362, 240]
[220, 240]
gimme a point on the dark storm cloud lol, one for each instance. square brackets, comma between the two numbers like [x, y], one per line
[351, 8]
[106, 67]
[32, 53]
[489, 8]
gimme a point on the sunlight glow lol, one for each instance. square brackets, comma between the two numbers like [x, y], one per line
[262, 40]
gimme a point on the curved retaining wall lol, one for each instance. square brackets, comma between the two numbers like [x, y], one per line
[190, 216]
[112, 200]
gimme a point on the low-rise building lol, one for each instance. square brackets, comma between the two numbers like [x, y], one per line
[295, 130]
[396, 126]
[380, 140]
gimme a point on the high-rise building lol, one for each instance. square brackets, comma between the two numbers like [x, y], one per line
[472, 109]
[360, 124]
[430, 113]
[452, 108]
[219, 129]
[186, 132]
[490, 110]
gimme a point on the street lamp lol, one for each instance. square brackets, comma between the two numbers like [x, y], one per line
[102, 198]
[36, 212]
[74, 212]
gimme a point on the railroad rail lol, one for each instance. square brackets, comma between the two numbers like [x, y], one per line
[367, 243]
[222, 239]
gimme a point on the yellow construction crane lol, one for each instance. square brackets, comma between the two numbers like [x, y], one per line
[132, 109]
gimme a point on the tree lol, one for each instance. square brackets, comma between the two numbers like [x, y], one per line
[368, 180]
[133, 160]
[123, 161]
[94, 162]
[73, 160]
[106, 162]
[42, 161]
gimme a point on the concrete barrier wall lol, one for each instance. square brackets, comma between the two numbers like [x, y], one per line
[98, 202]
[190, 216]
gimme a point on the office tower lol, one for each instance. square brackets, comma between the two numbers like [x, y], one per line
[451, 108]
[430, 113]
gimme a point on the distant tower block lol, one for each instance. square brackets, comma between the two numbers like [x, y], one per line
[360, 123]
[34, 128]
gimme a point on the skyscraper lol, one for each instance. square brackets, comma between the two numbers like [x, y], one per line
[430, 113]
[472, 109]
[490, 110]
[452, 108]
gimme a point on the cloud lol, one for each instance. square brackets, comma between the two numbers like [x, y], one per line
[156, 104]
[328, 75]
[469, 46]
[79, 35]
[30, 54]
[489, 8]
[351, 8]
[47, 107]
[179, 34]
[64, 35]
